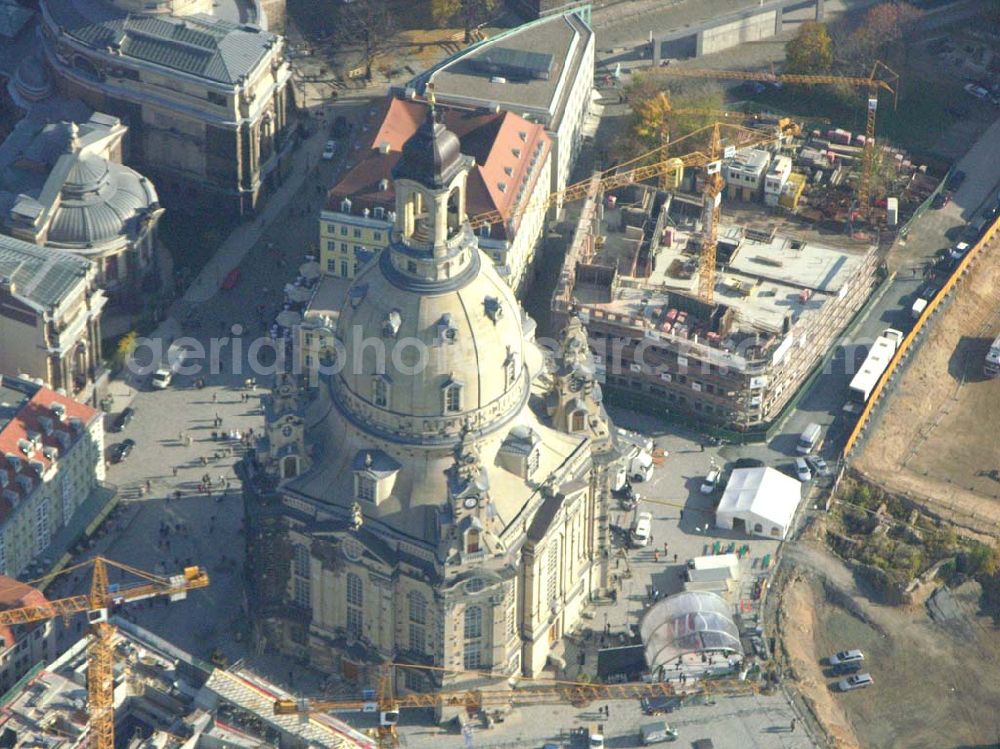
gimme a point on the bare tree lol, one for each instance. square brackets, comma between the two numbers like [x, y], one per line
[368, 25]
[471, 13]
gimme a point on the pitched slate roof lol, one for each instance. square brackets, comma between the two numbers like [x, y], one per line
[41, 275]
[199, 45]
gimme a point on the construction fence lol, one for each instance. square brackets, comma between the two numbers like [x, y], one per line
[970, 257]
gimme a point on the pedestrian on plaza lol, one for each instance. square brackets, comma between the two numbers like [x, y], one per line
[215, 397]
[656, 555]
[675, 557]
[664, 547]
[149, 485]
[175, 470]
[792, 729]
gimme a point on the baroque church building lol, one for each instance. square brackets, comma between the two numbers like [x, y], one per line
[443, 499]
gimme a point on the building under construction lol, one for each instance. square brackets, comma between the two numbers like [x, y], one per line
[164, 699]
[779, 303]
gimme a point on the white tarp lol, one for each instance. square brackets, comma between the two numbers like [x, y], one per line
[763, 498]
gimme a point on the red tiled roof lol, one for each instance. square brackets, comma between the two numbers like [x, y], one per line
[14, 594]
[492, 138]
[28, 421]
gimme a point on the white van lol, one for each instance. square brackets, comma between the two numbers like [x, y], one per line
[809, 439]
[642, 528]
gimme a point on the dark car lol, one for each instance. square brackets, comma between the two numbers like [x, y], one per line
[842, 669]
[122, 450]
[748, 463]
[955, 180]
[941, 200]
[661, 705]
[123, 419]
[340, 127]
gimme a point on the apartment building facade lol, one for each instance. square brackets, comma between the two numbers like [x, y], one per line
[52, 452]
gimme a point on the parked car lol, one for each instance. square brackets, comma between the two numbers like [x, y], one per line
[123, 419]
[122, 450]
[846, 656]
[818, 465]
[941, 200]
[711, 481]
[748, 463]
[329, 150]
[161, 378]
[959, 250]
[858, 681]
[340, 127]
[977, 91]
[802, 471]
[843, 669]
[955, 180]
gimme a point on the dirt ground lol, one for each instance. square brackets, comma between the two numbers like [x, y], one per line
[935, 682]
[936, 438]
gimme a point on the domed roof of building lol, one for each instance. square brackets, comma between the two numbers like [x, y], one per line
[467, 333]
[102, 202]
[432, 156]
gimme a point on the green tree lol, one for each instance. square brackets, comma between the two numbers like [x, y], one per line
[659, 115]
[810, 52]
[470, 13]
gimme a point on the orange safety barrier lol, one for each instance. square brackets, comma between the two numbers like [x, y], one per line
[917, 327]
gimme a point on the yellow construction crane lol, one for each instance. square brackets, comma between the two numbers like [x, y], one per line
[737, 138]
[100, 651]
[539, 692]
[882, 78]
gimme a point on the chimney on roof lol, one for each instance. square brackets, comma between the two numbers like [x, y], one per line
[7, 284]
[383, 147]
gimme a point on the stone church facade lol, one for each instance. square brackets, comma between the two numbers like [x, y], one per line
[442, 501]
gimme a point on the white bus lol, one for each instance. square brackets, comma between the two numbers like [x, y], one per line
[875, 364]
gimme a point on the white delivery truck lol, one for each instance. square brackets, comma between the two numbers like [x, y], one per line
[875, 364]
[918, 308]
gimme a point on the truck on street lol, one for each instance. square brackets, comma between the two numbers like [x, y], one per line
[875, 364]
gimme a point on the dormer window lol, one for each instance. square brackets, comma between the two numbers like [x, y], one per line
[380, 211]
[390, 327]
[345, 205]
[452, 397]
[516, 152]
[577, 421]
[533, 460]
[447, 330]
[522, 135]
[502, 186]
[508, 170]
[510, 368]
[380, 392]
[383, 185]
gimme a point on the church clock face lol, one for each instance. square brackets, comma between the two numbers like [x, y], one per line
[471, 503]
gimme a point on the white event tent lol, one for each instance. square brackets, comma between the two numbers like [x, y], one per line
[759, 501]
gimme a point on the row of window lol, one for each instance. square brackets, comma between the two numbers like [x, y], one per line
[356, 233]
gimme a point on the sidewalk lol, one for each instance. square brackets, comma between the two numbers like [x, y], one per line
[231, 252]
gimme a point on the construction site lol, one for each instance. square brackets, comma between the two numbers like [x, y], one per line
[164, 698]
[732, 349]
